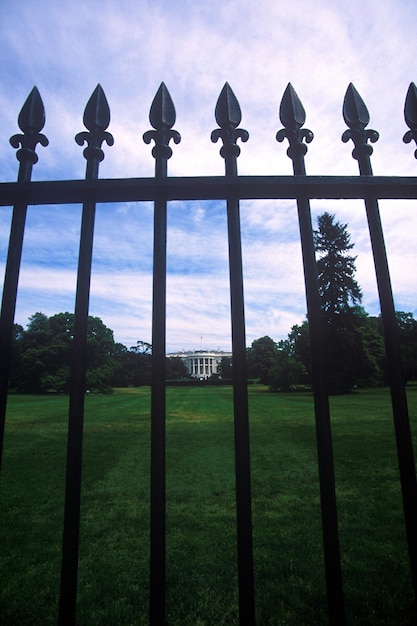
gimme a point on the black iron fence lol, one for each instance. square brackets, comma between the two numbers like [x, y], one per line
[232, 188]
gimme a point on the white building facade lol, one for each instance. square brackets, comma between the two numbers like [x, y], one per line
[202, 364]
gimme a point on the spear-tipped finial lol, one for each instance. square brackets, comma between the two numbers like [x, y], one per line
[227, 112]
[162, 112]
[292, 116]
[291, 110]
[31, 120]
[410, 115]
[228, 116]
[355, 112]
[162, 118]
[96, 119]
[356, 116]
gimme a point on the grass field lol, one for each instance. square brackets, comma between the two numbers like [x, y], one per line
[201, 550]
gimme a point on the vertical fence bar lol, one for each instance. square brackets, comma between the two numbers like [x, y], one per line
[292, 116]
[31, 121]
[228, 116]
[356, 117]
[96, 119]
[158, 417]
[162, 118]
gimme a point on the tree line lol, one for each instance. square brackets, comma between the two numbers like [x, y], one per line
[354, 354]
[41, 357]
[354, 351]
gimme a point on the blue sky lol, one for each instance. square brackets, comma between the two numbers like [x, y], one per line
[129, 47]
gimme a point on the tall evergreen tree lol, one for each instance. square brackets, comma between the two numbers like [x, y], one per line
[340, 293]
[336, 268]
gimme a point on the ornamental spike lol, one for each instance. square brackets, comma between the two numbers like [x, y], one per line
[162, 113]
[162, 117]
[410, 108]
[97, 111]
[227, 113]
[410, 115]
[355, 112]
[356, 116]
[96, 119]
[228, 116]
[31, 120]
[292, 116]
[291, 111]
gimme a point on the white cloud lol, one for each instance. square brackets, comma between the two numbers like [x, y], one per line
[130, 47]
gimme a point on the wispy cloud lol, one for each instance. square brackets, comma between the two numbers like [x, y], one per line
[130, 47]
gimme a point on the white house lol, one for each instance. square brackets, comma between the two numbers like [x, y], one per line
[200, 363]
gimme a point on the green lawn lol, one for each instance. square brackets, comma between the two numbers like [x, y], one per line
[201, 550]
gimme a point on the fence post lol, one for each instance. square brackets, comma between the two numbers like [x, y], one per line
[162, 117]
[292, 116]
[31, 120]
[356, 117]
[228, 116]
[96, 120]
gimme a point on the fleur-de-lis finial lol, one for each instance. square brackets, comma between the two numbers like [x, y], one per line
[96, 119]
[31, 120]
[410, 115]
[162, 118]
[356, 116]
[228, 116]
[293, 117]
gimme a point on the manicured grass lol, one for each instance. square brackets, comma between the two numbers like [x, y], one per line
[201, 534]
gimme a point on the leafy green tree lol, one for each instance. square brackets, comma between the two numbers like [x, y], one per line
[262, 358]
[132, 366]
[16, 352]
[142, 347]
[224, 369]
[408, 343]
[45, 354]
[34, 355]
[175, 368]
[121, 376]
[288, 371]
[357, 350]
[346, 360]
[370, 362]
[299, 337]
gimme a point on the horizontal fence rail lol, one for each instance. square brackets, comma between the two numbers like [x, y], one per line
[232, 189]
[210, 188]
